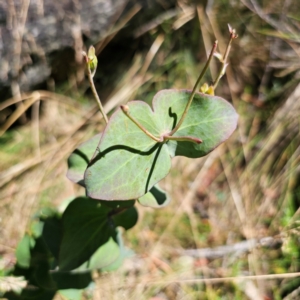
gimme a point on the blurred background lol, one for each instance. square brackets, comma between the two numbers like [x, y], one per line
[234, 212]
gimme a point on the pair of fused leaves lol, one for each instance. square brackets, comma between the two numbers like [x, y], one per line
[129, 163]
[37, 257]
[86, 237]
[90, 237]
[78, 162]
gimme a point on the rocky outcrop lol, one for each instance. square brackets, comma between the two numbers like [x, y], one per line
[43, 37]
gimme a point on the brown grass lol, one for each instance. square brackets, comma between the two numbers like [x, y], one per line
[246, 189]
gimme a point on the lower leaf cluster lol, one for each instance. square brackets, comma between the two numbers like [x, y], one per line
[59, 252]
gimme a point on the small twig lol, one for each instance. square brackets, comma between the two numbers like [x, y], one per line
[223, 279]
[125, 110]
[163, 138]
[233, 36]
[35, 96]
[91, 66]
[235, 249]
[89, 61]
[183, 139]
[35, 127]
[96, 95]
[195, 89]
[293, 295]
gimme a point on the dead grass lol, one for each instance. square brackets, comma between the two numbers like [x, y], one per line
[246, 189]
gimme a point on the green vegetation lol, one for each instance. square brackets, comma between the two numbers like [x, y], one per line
[246, 190]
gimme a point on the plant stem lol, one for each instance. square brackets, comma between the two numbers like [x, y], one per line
[90, 77]
[233, 36]
[195, 89]
[125, 110]
[183, 139]
[91, 60]
[116, 211]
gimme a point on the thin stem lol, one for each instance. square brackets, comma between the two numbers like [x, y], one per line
[195, 89]
[125, 110]
[116, 211]
[90, 77]
[233, 36]
[183, 139]
[91, 60]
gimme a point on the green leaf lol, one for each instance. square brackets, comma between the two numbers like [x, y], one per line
[46, 212]
[79, 159]
[70, 294]
[156, 198]
[52, 234]
[127, 218]
[104, 256]
[86, 227]
[124, 253]
[43, 277]
[70, 280]
[36, 228]
[130, 163]
[210, 118]
[23, 251]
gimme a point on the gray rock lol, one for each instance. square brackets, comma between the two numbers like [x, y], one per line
[34, 33]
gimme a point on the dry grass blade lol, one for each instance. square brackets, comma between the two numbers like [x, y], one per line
[185, 202]
[156, 22]
[117, 27]
[63, 100]
[19, 111]
[217, 280]
[188, 13]
[151, 53]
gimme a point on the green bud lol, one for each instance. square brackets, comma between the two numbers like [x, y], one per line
[204, 88]
[92, 60]
[207, 89]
